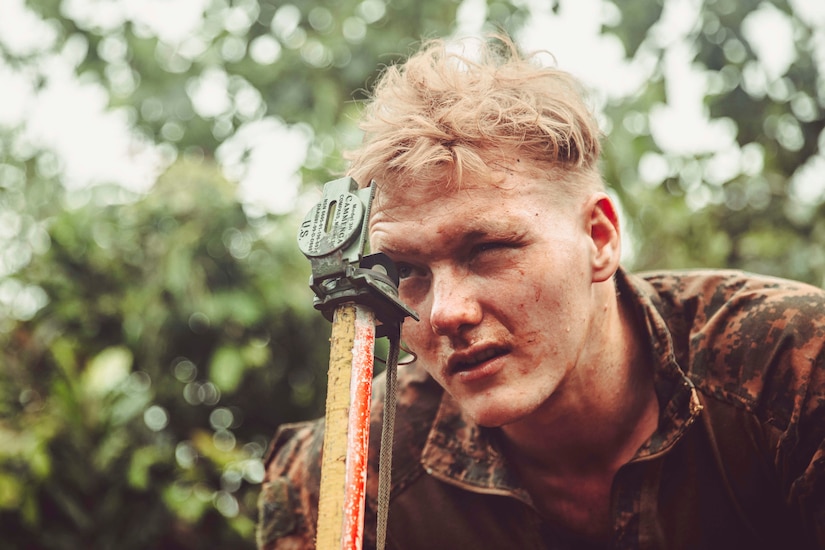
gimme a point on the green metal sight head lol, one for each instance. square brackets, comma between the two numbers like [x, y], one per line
[333, 235]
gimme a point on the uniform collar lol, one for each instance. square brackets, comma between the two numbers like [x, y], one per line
[679, 404]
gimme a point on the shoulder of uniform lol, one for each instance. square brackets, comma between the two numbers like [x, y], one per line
[287, 503]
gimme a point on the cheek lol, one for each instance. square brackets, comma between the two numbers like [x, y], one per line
[414, 332]
[413, 291]
[538, 291]
[534, 296]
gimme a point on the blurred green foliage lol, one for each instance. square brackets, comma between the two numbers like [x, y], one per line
[137, 402]
[757, 204]
[151, 343]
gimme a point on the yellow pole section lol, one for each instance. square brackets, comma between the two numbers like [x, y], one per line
[346, 436]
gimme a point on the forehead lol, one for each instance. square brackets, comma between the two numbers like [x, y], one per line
[502, 176]
[426, 200]
[407, 217]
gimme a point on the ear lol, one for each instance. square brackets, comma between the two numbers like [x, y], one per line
[605, 235]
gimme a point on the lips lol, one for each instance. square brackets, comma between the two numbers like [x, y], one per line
[466, 361]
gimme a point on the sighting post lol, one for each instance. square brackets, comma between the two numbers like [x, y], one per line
[359, 294]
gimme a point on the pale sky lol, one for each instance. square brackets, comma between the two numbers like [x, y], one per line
[94, 144]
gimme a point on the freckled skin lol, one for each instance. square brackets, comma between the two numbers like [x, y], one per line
[502, 267]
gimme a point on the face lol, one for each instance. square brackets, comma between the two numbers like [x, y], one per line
[502, 276]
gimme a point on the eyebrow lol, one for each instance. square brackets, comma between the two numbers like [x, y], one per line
[472, 235]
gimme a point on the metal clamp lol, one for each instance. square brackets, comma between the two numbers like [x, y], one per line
[333, 235]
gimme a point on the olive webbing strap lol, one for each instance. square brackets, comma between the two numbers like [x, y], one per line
[388, 425]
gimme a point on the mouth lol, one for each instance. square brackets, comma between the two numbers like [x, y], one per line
[472, 360]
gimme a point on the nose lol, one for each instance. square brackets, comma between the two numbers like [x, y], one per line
[454, 305]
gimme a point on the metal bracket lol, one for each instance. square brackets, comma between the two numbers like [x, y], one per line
[333, 235]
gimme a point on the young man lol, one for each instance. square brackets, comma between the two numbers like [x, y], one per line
[557, 401]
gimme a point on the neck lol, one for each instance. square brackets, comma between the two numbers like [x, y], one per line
[602, 413]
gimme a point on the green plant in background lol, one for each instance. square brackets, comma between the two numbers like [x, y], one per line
[136, 401]
[757, 200]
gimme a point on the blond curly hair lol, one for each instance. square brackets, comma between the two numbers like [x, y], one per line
[444, 117]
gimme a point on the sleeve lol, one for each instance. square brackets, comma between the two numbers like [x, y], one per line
[804, 449]
[792, 400]
[762, 342]
[288, 501]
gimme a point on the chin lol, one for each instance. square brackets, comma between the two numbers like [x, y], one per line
[497, 409]
[496, 417]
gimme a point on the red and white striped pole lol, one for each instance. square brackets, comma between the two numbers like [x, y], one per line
[346, 436]
[333, 236]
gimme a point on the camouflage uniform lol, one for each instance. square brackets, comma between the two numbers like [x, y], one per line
[737, 461]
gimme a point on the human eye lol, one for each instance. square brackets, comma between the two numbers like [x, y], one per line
[487, 247]
[409, 271]
[492, 254]
[405, 271]
[413, 282]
